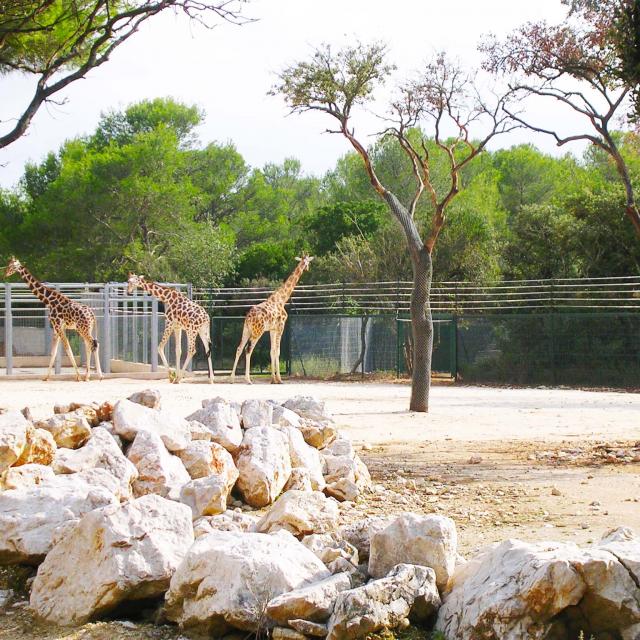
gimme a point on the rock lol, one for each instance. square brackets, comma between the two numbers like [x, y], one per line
[283, 633]
[517, 590]
[344, 490]
[202, 459]
[299, 480]
[346, 475]
[316, 434]
[227, 521]
[304, 456]
[309, 407]
[130, 418]
[430, 541]
[94, 413]
[341, 446]
[253, 567]
[13, 437]
[199, 431]
[342, 565]
[26, 475]
[264, 464]
[69, 430]
[30, 516]
[556, 492]
[159, 472]
[126, 552]
[314, 602]
[314, 629]
[475, 460]
[387, 603]
[359, 533]
[148, 398]
[222, 421]
[301, 514]
[328, 547]
[285, 417]
[256, 413]
[100, 452]
[40, 448]
[208, 496]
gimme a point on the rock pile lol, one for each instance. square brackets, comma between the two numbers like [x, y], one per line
[128, 505]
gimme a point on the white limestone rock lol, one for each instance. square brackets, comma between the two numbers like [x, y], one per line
[359, 533]
[125, 552]
[199, 431]
[408, 592]
[329, 547]
[147, 397]
[305, 456]
[314, 602]
[208, 496]
[285, 417]
[100, 452]
[69, 430]
[430, 541]
[130, 418]
[30, 516]
[256, 413]
[222, 421]
[313, 629]
[299, 480]
[253, 567]
[159, 472]
[227, 521]
[264, 464]
[26, 475]
[202, 458]
[40, 448]
[301, 514]
[518, 590]
[346, 475]
[13, 437]
[310, 408]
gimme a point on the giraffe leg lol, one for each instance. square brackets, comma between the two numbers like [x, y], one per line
[275, 364]
[205, 336]
[191, 349]
[55, 343]
[277, 351]
[88, 347]
[161, 345]
[247, 367]
[67, 348]
[96, 352]
[246, 334]
[177, 334]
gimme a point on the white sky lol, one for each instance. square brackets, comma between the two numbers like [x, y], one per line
[228, 71]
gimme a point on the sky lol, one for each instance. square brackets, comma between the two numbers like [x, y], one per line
[227, 71]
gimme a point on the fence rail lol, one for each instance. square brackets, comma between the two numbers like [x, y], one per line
[616, 293]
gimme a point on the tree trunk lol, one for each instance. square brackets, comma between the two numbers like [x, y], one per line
[421, 330]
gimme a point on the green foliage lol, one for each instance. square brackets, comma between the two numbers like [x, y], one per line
[271, 260]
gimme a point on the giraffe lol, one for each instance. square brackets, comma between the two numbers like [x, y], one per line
[271, 316]
[181, 314]
[63, 314]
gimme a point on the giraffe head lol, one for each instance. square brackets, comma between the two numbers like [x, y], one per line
[133, 282]
[305, 261]
[13, 267]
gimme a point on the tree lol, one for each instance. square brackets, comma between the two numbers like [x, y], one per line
[57, 42]
[580, 66]
[444, 97]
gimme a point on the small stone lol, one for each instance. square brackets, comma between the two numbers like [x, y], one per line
[556, 492]
[314, 629]
[283, 633]
[475, 459]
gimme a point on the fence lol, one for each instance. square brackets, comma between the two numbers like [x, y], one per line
[576, 332]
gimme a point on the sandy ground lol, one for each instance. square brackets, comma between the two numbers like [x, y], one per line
[524, 463]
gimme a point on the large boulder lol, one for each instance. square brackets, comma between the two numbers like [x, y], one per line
[117, 553]
[159, 472]
[26, 475]
[13, 437]
[305, 457]
[30, 517]
[69, 430]
[208, 496]
[519, 590]
[264, 464]
[430, 541]
[256, 413]
[310, 408]
[408, 592]
[100, 452]
[222, 421]
[129, 418]
[301, 514]
[40, 448]
[299, 480]
[316, 424]
[202, 458]
[359, 533]
[252, 568]
[314, 602]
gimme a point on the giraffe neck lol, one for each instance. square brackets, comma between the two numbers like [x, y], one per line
[45, 294]
[156, 290]
[283, 294]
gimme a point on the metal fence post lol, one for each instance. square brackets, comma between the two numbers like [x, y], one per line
[58, 363]
[8, 329]
[454, 347]
[154, 334]
[190, 296]
[105, 352]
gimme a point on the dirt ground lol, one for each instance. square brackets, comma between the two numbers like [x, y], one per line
[503, 463]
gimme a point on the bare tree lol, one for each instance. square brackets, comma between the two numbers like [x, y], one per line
[58, 42]
[442, 99]
[580, 65]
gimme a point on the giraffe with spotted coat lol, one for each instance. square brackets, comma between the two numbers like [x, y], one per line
[64, 314]
[271, 316]
[182, 314]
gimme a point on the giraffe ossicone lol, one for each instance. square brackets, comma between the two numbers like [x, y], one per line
[271, 316]
[181, 314]
[64, 314]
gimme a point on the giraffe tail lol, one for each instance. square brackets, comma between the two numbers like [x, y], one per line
[94, 345]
